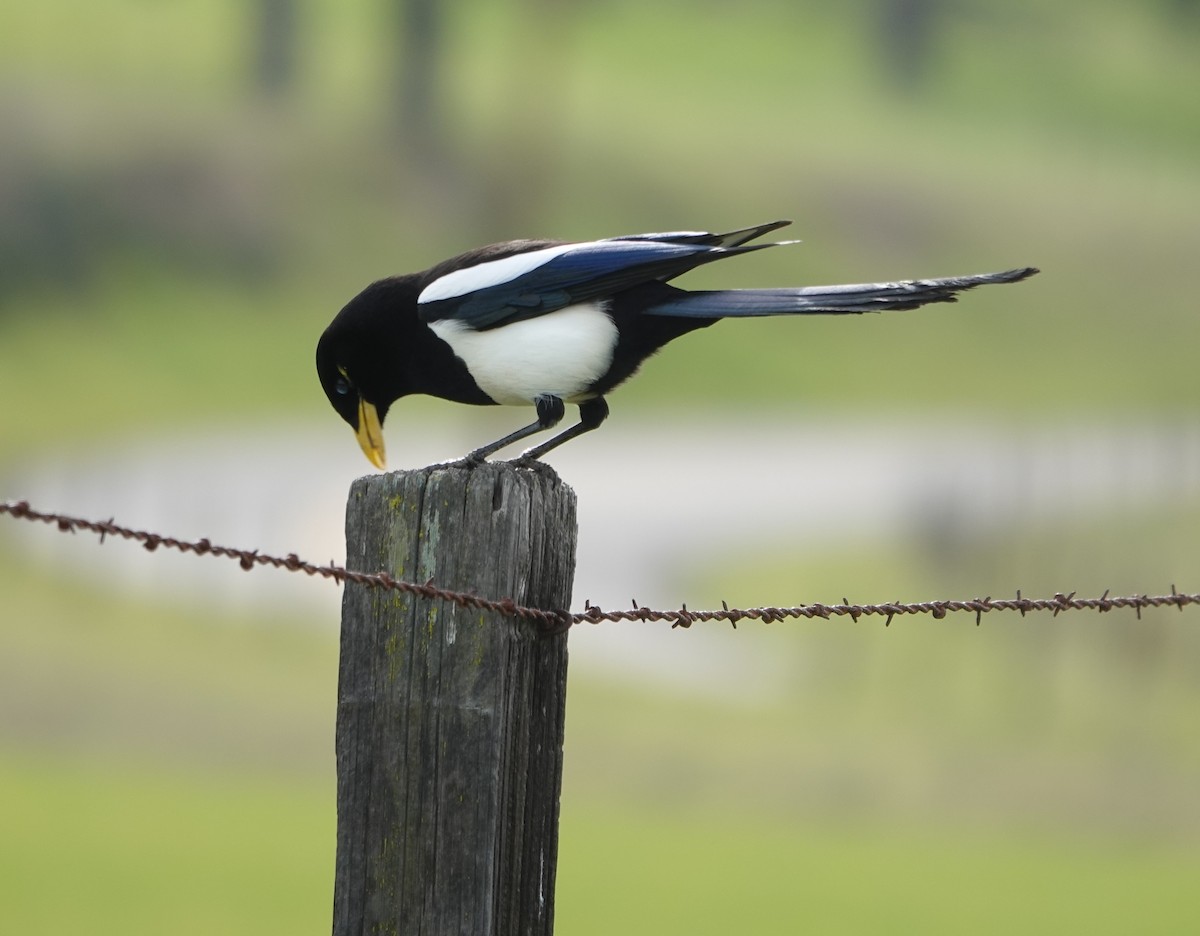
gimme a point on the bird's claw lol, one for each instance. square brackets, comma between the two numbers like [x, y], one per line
[470, 461]
[532, 463]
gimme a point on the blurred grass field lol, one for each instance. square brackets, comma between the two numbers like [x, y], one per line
[171, 244]
[258, 859]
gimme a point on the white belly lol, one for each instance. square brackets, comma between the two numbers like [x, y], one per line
[559, 354]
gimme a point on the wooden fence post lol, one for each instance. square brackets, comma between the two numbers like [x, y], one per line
[450, 720]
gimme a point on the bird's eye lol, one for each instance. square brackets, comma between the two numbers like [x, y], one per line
[343, 385]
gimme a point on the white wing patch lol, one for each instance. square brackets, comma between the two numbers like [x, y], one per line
[559, 354]
[491, 273]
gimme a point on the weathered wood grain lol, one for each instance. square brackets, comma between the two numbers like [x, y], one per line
[450, 721]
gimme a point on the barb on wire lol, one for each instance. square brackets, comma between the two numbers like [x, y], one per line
[249, 558]
[559, 620]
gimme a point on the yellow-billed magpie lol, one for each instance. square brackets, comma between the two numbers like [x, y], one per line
[543, 323]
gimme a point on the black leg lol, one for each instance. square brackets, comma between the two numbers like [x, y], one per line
[591, 414]
[550, 412]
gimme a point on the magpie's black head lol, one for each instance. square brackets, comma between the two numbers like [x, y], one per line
[360, 362]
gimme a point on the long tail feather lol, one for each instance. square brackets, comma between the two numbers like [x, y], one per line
[831, 300]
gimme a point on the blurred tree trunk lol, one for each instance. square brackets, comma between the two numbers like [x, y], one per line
[1184, 13]
[418, 90]
[422, 117]
[521, 182]
[908, 32]
[277, 36]
[503, 189]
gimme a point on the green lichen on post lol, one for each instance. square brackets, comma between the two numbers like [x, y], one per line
[393, 651]
[431, 622]
[385, 884]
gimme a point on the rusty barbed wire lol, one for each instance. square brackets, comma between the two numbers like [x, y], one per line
[559, 620]
[249, 558]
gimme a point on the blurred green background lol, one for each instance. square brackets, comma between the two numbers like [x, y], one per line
[190, 191]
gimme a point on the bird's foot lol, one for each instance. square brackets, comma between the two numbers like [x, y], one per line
[534, 464]
[470, 461]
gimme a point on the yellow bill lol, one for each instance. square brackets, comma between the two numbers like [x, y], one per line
[370, 434]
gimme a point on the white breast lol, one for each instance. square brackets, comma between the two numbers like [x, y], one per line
[559, 354]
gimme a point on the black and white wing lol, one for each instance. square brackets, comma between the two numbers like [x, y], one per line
[507, 283]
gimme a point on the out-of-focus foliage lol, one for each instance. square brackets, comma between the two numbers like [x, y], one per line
[145, 167]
